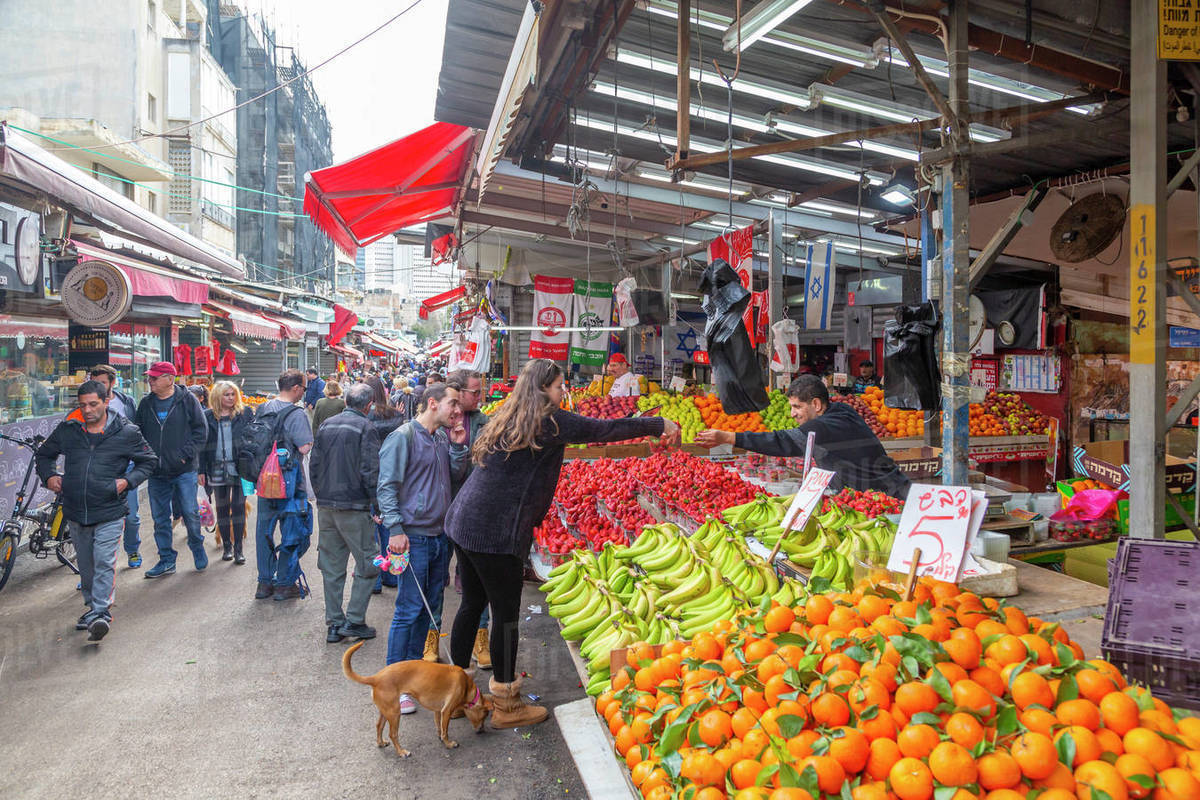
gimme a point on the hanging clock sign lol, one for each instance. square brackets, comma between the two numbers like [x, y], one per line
[96, 294]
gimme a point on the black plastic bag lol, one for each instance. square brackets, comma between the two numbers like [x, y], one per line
[911, 377]
[736, 372]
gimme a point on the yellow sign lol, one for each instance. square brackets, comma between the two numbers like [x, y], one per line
[1179, 30]
[1143, 283]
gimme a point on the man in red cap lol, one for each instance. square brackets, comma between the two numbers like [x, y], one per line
[625, 383]
[172, 421]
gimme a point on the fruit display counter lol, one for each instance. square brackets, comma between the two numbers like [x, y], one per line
[860, 695]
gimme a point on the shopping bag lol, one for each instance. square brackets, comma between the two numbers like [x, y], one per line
[247, 488]
[627, 316]
[1091, 504]
[207, 517]
[785, 336]
[270, 480]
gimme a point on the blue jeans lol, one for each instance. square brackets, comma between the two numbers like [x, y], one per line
[429, 561]
[385, 578]
[133, 524]
[182, 489]
[294, 516]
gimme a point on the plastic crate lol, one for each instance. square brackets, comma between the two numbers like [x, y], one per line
[1152, 625]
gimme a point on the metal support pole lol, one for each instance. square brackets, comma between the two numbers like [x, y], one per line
[683, 81]
[956, 263]
[775, 265]
[1148, 268]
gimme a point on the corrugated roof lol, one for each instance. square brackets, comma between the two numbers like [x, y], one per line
[479, 38]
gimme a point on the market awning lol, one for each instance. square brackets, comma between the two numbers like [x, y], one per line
[147, 280]
[431, 304]
[411, 180]
[440, 348]
[343, 320]
[24, 162]
[346, 350]
[292, 328]
[247, 323]
[382, 341]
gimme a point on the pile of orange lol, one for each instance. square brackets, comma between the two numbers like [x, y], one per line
[982, 424]
[714, 416]
[861, 696]
[899, 423]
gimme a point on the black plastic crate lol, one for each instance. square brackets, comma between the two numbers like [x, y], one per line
[1152, 625]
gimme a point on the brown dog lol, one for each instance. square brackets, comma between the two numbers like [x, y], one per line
[444, 689]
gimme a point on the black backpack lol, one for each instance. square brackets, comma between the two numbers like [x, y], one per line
[257, 440]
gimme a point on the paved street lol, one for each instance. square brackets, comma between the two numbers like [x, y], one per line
[201, 691]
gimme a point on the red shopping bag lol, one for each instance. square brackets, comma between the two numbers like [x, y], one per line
[270, 481]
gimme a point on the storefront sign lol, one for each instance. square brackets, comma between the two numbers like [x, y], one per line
[1032, 373]
[96, 294]
[1184, 337]
[985, 373]
[1178, 30]
[87, 347]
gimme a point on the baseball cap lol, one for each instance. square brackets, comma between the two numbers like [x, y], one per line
[617, 358]
[160, 368]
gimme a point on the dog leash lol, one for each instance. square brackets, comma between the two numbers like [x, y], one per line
[397, 564]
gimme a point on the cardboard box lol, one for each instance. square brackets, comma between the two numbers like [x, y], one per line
[918, 463]
[1108, 462]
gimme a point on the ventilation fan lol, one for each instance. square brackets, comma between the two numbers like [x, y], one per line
[1087, 227]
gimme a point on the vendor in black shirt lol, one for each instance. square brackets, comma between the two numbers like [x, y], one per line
[844, 443]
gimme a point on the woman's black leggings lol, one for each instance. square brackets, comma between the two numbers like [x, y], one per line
[231, 514]
[495, 580]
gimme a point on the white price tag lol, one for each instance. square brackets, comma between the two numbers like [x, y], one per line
[805, 501]
[937, 521]
[677, 384]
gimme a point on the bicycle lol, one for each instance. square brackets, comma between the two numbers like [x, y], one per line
[51, 534]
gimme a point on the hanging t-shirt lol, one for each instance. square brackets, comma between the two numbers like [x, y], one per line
[625, 386]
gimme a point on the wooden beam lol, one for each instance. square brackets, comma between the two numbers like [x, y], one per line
[879, 11]
[683, 80]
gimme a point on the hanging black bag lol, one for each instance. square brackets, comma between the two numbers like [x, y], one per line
[911, 377]
[735, 367]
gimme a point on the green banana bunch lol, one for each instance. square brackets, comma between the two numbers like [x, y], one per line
[808, 555]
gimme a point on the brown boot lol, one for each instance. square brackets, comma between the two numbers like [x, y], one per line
[509, 710]
[482, 651]
[431, 647]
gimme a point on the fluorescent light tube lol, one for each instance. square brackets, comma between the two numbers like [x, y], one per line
[867, 105]
[759, 21]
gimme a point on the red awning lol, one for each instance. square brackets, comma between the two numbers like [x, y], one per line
[411, 180]
[442, 300]
[440, 348]
[346, 350]
[343, 320]
[247, 323]
[147, 280]
[292, 329]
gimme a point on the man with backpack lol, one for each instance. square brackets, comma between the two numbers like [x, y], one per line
[173, 423]
[416, 465]
[345, 470]
[280, 428]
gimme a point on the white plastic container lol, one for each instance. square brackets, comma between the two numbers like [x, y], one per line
[1047, 504]
[992, 546]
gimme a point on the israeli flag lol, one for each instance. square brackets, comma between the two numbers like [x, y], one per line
[820, 277]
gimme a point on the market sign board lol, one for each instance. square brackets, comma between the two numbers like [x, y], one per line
[1184, 337]
[1178, 30]
[936, 529]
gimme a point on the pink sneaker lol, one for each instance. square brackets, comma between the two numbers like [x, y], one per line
[407, 704]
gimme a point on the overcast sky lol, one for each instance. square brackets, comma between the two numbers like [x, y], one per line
[380, 90]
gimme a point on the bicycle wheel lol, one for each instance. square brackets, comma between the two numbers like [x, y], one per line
[65, 550]
[8, 553]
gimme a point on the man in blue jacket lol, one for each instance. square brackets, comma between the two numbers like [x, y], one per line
[172, 421]
[98, 447]
[314, 391]
[416, 464]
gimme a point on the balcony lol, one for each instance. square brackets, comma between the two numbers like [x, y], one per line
[217, 214]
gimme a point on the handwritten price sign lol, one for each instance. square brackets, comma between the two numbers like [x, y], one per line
[937, 521]
[805, 502]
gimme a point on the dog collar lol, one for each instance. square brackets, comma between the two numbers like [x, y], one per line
[476, 699]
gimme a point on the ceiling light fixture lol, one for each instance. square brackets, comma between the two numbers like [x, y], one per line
[759, 21]
[898, 195]
[835, 208]
[758, 87]
[836, 96]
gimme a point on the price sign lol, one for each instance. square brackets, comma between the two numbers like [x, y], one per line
[678, 384]
[805, 502]
[1143, 285]
[936, 521]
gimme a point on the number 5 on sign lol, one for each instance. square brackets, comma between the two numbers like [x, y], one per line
[805, 501]
[936, 521]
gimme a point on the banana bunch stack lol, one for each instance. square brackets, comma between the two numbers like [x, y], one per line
[663, 587]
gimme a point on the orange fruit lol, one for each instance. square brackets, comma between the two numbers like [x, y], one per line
[964, 729]
[1008, 649]
[1094, 684]
[913, 698]
[1156, 749]
[970, 696]
[1102, 776]
[1158, 720]
[883, 755]
[818, 609]
[1079, 712]
[709, 793]
[1110, 742]
[880, 726]
[917, 741]
[998, 770]
[1177, 784]
[952, 765]
[965, 652]
[851, 749]
[830, 775]
[744, 773]
[753, 793]
[779, 619]
[1119, 712]
[830, 710]
[1087, 746]
[911, 779]
[742, 721]
[989, 679]
[1058, 794]
[1063, 777]
[1132, 764]
[702, 769]
[867, 692]
[876, 790]
[790, 793]
[1039, 648]
[1002, 794]
[844, 619]
[715, 728]
[1039, 719]
[1035, 755]
[1015, 620]
[1030, 689]
[657, 778]
[800, 745]
[1189, 726]
[952, 672]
